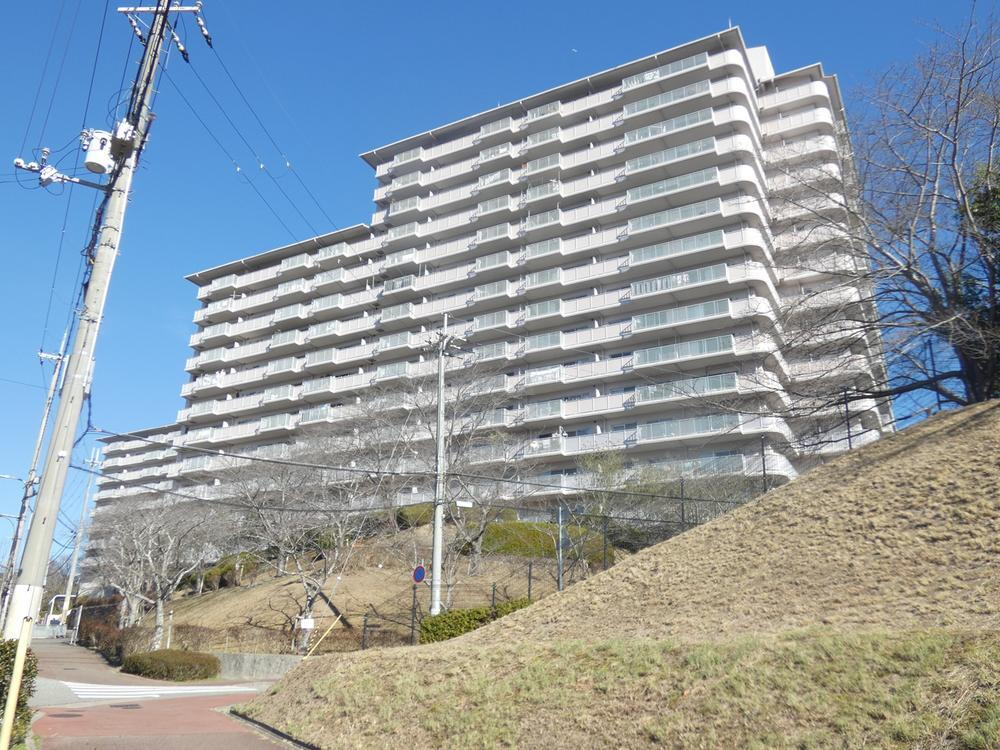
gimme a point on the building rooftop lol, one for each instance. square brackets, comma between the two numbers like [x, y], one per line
[582, 86]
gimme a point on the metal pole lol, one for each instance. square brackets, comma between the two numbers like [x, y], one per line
[32, 478]
[79, 364]
[437, 542]
[14, 687]
[79, 538]
[530, 562]
[559, 550]
[847, 420]
[763, 463]
[605, 530]
[413, 618]
[493, 602]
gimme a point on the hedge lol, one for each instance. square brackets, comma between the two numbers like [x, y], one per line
[22, 717]
[458, 621]
[172, 664]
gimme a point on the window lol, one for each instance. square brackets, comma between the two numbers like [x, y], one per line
[667, 126]
[665, 70]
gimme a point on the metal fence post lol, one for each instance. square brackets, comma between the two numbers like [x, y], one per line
[530, 563]
[493, 602]
[413, 618]
[605, 529]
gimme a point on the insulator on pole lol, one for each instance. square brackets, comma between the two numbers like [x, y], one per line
[204, 29]
[135, 28]
[180, 46]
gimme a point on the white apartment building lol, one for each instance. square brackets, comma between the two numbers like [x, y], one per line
[619, 243]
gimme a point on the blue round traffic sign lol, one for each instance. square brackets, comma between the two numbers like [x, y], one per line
[419, 573]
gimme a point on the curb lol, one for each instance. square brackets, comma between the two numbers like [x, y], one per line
[268, 729]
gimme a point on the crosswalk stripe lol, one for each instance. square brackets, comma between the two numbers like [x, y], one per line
[88, 690]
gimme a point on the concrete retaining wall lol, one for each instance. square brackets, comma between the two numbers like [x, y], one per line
[255, 666]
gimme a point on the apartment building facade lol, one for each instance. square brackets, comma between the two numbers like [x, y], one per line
[619, 247]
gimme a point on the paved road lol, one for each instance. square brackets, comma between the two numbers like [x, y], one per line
[87, 705]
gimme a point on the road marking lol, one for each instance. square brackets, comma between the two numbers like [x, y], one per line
[117, 692]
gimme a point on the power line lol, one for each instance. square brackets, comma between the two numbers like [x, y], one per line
[274, 143]
[41, 78]
[62, 64]
[391, 472]
[228, 155]
[260, 162]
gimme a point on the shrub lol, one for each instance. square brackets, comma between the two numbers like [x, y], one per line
[172, 664]
[412, 516]
[22, 717]
[538, 539]
[110, 641]
[457, 621]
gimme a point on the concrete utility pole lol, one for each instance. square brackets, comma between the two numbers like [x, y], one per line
[115, 154]
[77, 542]
[31, 480]
[444, 341]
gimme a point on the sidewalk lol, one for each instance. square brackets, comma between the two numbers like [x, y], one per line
[119, 711]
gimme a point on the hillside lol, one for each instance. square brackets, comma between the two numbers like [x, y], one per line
[857, 606]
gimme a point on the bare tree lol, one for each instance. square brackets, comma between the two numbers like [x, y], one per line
[907, 224]
[146, 550]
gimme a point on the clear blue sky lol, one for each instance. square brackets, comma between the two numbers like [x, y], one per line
[330, 80]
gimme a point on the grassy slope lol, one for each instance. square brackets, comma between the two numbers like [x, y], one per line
[856, 607]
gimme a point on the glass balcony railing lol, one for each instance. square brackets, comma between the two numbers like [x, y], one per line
[685, 387]
[680, 246]
[678, 280]
[665, 71]
[671, 185]
[668, 126]
[673, 215]
[675, 315]
[685, 349]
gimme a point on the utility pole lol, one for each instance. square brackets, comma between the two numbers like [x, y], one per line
[117, 155]
[444, 341]
[93, 464]
[32, 479]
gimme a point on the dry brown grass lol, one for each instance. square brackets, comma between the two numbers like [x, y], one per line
[889, 557]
